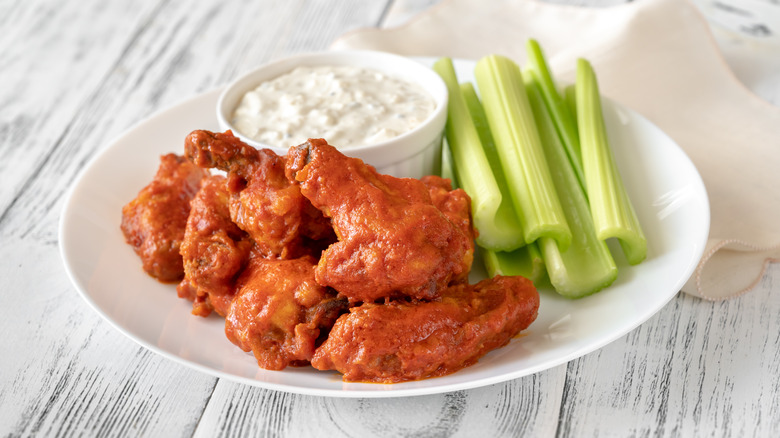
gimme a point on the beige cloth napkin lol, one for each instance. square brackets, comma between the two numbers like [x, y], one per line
[659, 58]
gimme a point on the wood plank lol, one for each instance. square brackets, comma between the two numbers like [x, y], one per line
[695, 369]
[522, 407]
[52, 58]
[67, 372]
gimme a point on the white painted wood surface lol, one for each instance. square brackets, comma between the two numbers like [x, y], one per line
[75, 74]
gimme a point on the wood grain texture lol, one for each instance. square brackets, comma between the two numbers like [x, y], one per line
[695, 369]
[66, 372]
[523, 407]
[76, 74]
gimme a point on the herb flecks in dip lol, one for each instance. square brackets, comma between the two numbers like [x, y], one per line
[349, 106]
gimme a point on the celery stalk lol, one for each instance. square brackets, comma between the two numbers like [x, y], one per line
[447, 167]
[570, 96]
[587, 265]
[611, 209]
[506, 211]
[483, 130]
[564, 121]
[519, 147]
[495, 219]
[525, 261]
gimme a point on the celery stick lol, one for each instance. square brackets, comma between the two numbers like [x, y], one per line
[447, 167]
[506, 211]
[519, 147]
[612, 211]
[496, 221]
[562, 117]
[570, 96]
[483, 130]
[525, 261]
[587, 265]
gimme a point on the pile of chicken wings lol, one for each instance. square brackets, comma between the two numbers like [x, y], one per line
[315, 258]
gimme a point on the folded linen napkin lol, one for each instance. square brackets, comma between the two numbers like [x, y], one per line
[658, 58]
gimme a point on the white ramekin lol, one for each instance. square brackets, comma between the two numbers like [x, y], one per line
[413, 154]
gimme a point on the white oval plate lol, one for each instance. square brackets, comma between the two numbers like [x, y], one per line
[667, 191]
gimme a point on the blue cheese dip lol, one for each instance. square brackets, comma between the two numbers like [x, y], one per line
[347, 106]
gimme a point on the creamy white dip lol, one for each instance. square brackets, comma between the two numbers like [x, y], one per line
[347, 106]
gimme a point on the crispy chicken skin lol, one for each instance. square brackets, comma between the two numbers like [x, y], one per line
[393, 241]
[214, 250]
[153, 223]
[280, 313]
[263, 203]
[401, 341]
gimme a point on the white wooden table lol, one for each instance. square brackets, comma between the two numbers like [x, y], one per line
[75, 74]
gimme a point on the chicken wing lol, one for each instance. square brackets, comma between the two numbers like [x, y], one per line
[153, 223]
[393, 241]
[456, 205]
[214, 250]
[280, 313]
[401, 341]
[263, 203]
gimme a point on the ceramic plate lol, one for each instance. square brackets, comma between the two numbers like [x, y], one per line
[667, 191]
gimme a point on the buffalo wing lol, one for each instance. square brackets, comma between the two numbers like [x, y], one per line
[214, 250]
[263, 202]
[401, 341]
[280, 313]
[393, 241]
[153, 223]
